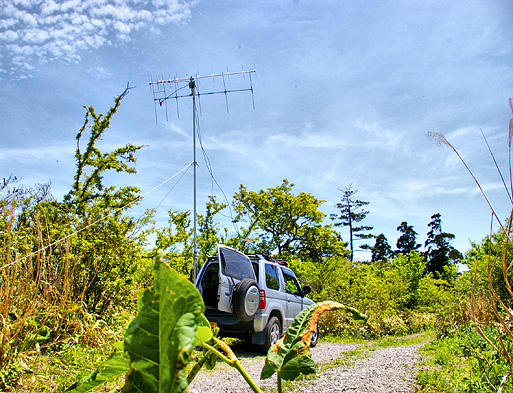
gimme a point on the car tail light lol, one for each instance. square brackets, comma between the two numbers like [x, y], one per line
[263, 301]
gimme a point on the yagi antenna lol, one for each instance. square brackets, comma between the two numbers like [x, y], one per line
[175, 88]
[161, 94]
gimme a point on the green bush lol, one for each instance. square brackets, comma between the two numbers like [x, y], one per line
[398, 297]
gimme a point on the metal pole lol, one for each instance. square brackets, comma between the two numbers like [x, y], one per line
[157, 97]
[192, 85]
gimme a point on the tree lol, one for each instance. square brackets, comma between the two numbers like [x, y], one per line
[320, 242]
[177, 239]
[407, 242]
[286, 223]
[88, 186]
[439, 252]
[350, 215]
[381, 251]
[109, 245]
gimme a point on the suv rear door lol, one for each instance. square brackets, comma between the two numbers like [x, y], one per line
[234, 267]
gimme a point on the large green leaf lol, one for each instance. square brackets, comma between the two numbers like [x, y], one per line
[115, 366]
[291, 356]
[159, 341]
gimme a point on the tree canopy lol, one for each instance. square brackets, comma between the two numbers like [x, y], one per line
[286, 223]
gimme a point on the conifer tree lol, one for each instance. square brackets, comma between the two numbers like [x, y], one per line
[439, 252]
[351, 213]
[381, 251]
[407, 242]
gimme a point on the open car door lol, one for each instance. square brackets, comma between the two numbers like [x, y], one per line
[238, 290]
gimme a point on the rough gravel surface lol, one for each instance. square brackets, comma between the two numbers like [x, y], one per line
[376, 370]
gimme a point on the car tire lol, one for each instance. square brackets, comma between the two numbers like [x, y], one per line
[315, 337]
[272, 333]
[246, 299]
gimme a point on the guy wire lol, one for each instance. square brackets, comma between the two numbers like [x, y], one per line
[95, 222]
[208, 165]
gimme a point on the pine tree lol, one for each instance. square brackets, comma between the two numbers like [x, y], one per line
[350, 214]
[381, 251]
[440, 253]
[407, 242]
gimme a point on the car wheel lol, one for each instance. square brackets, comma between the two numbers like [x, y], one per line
[272, 333]
[246, 298]
[314, 337]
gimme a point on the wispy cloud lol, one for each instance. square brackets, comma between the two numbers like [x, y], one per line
[54, 152]
[62, 30]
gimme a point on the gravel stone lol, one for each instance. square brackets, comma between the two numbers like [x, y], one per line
[381, 370]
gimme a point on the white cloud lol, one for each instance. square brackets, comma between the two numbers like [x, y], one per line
[8, 36]
[48, 30]
[37, 154]
[461, 133]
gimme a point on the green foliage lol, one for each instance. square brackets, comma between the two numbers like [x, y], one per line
[443, 368]
[491, 252]
[396, 295]
[287, 223]
[160, 340]
[410, 269]
[464, 362]
[177, 240]
[92, 163]
[115, 366]
[107, 251]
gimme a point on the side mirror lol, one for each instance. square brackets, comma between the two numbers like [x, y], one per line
[306, 290]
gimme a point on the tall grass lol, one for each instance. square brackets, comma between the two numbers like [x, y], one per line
[491, 311]
[39, 307]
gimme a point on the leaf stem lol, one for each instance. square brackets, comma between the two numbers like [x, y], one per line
[232, 361]
[197, 367]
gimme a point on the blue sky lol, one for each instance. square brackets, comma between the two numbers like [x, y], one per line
[345, 92]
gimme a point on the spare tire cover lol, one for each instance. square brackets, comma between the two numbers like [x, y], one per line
[246, 299]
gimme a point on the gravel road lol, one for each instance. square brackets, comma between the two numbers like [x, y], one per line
[376, 370]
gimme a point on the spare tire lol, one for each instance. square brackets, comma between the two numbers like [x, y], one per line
[246, 299]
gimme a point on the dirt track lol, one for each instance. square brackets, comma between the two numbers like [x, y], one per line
[381, 370]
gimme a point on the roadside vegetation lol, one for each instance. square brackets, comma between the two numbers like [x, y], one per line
[71, 272]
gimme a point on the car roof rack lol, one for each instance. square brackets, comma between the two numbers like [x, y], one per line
[265, 256]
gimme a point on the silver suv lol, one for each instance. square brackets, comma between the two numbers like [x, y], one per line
[251, 296]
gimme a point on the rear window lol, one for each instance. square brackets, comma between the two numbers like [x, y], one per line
[271, 277]
[235, 265]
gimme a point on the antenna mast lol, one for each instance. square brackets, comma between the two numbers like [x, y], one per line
[161, 97]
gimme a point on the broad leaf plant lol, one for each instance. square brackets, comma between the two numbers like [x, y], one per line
[156, 355]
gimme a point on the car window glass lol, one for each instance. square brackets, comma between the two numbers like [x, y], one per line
[291, 284]
[235, 265]
[271, 277]
[209, 284]
[255, 269]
